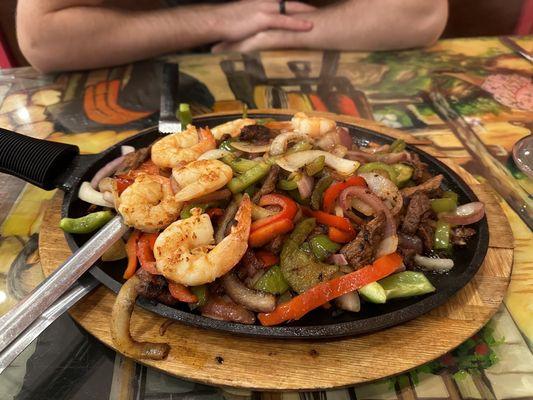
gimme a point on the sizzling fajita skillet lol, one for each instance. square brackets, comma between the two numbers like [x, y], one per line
[52, 165]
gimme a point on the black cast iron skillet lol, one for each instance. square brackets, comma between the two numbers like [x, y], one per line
[53, 165]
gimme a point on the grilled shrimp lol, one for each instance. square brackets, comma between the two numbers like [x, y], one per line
[185, 252]
[201, 177]
[314, 127]
[181, 148]
[232, 128]
[148, 203]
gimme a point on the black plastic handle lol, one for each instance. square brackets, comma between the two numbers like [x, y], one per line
[37, 161]
[169, 91]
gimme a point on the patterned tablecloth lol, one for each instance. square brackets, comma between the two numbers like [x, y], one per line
[484, 82]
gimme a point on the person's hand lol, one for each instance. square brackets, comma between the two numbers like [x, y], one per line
[243, 19]
[259, 41]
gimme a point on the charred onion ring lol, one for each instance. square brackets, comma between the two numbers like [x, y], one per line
[120, 326]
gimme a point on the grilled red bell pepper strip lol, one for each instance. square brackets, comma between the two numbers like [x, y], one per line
[145, 252]
[122, 183]
[320, 294]
[131, 251]
[289, 208]
[181, 292]
[265, 234]
[332, 193]
[267, 258]
[339, 236]
[341, 223]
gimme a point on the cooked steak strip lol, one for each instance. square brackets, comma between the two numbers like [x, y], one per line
[154, 287]
[426, 232]
[269, 184]
[133, 160]
[418, 205]
[426, 187]
[258, 134]
[249, 265]
[360, 251]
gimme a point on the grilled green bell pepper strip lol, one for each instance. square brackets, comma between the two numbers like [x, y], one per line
[184, 115]
[315, 166]
[373, 293]
[248, 178]
[226, 145]
[379, 166]
[441, 239]
[320, 187]
[295, 195]
[450, 194]
[272, 281]
[201, 293]
[239, 165]
[445, 204]
[86, 224]
[299, 268]
[397, 146]
[299, 146]
[404, 173]
[287, 184]
[322, 246]
[406, 284]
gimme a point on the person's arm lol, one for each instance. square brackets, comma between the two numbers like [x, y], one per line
[80, 34]
[358, 25]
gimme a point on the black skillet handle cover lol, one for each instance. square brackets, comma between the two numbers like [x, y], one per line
[34, 160]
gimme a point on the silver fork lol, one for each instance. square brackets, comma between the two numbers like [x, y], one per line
[168, 122]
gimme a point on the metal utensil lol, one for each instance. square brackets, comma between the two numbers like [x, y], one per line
[18, 319]
[78, 291]
[168, 123]
[510, 43]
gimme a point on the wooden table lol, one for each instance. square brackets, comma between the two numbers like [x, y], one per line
[96, 109]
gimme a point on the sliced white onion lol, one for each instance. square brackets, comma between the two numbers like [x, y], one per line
[338, 211]
[106, 171]
[280, 143]
[385, 189]
[349, 302]
[305, 186]
[466, 214]
[338, 259]
[127, 149]
[434, 264]
[362, 207]
[293, 162]
[214, 154]
[89, 195]
[250, 147]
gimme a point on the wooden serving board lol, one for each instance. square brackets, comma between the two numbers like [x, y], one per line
[275, 364]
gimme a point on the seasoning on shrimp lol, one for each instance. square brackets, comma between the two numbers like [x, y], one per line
[200, 178]
[149, 203]
[186, 253]
[181, 148]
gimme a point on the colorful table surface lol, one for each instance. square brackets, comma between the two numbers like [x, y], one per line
[485, 82]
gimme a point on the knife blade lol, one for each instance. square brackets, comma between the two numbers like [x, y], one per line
[168, 122]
